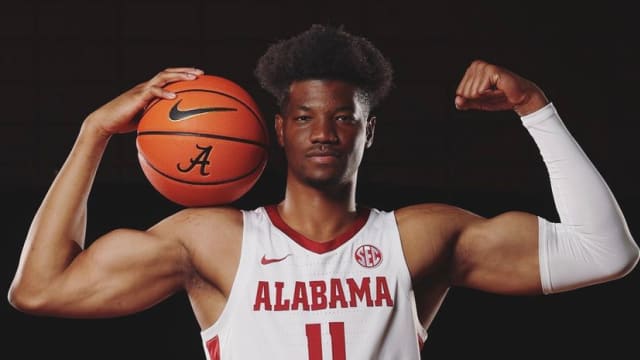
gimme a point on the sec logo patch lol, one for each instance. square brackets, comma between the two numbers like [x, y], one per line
[368, 256]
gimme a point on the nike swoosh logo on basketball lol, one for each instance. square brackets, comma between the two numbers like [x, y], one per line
[176, 114]
[266, 261]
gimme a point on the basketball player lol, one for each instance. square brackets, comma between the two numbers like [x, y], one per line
[317, 276]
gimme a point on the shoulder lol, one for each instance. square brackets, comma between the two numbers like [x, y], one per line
[211, 238]
[192, 224]
[429, 231]
[214, 215]
[434, 214]
[433, 222]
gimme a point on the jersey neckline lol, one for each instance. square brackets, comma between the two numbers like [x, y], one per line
[317, 247]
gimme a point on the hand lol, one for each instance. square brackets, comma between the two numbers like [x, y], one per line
[118, 115]
[489, 87]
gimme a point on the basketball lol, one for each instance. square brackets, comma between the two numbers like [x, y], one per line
[207, 146]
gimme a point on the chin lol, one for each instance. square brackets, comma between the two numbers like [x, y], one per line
[326, 178]
[327, 182]
[322, 182]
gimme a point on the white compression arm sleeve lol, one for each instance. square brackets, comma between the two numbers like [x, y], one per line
[592, 243]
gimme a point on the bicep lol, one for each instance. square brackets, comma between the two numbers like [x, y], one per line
[122, 272]
[499, 255]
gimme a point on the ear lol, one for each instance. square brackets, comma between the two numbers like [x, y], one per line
[371, 127]
[279, 124]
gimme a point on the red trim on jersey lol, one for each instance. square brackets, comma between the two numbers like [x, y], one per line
[213, 346]
[317, 247]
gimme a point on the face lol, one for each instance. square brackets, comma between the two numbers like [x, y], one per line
[324, 130]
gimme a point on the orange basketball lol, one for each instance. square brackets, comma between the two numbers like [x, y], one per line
[208, 146]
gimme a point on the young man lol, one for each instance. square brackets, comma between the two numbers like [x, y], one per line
[317, 276]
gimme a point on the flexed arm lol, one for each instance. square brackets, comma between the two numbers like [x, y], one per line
[55, 275]
[591, 244]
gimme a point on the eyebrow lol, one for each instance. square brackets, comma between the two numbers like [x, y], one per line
[342, 108]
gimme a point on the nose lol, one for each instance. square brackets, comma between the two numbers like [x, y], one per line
[324, 131]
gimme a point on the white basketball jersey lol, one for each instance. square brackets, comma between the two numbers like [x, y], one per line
[292, 298]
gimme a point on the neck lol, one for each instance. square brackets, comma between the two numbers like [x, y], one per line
[319, 214]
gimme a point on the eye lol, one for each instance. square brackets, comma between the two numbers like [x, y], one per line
[302, 118]
[346, 118]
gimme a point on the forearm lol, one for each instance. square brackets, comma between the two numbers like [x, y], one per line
[57, 232]
[592, 242]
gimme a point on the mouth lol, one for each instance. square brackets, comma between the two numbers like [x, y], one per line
[323, 156]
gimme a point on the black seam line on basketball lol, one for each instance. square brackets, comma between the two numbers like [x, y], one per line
[176, 114]
[221, 137]
[239, 177]
[262, 125]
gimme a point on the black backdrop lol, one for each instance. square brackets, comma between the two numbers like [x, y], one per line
[62, 59]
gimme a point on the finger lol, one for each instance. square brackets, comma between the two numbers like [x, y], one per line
[174, 74]
[476, 78]
[459, 102]
[189, 70]
[463, 82]
[486, 79]
[486, 84]
[149, 92]
[165, 77]
[472, 89]
[492, 100]
[463, 90]
[470, 75]
[467, 80]
[160, 92]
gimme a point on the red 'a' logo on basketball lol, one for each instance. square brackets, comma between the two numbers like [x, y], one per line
[368, 256]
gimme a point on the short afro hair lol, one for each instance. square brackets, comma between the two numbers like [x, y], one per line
[325, 52]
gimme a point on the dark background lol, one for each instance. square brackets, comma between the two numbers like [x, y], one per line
[62, 59]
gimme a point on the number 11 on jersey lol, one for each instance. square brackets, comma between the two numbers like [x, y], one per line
[314, 341]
